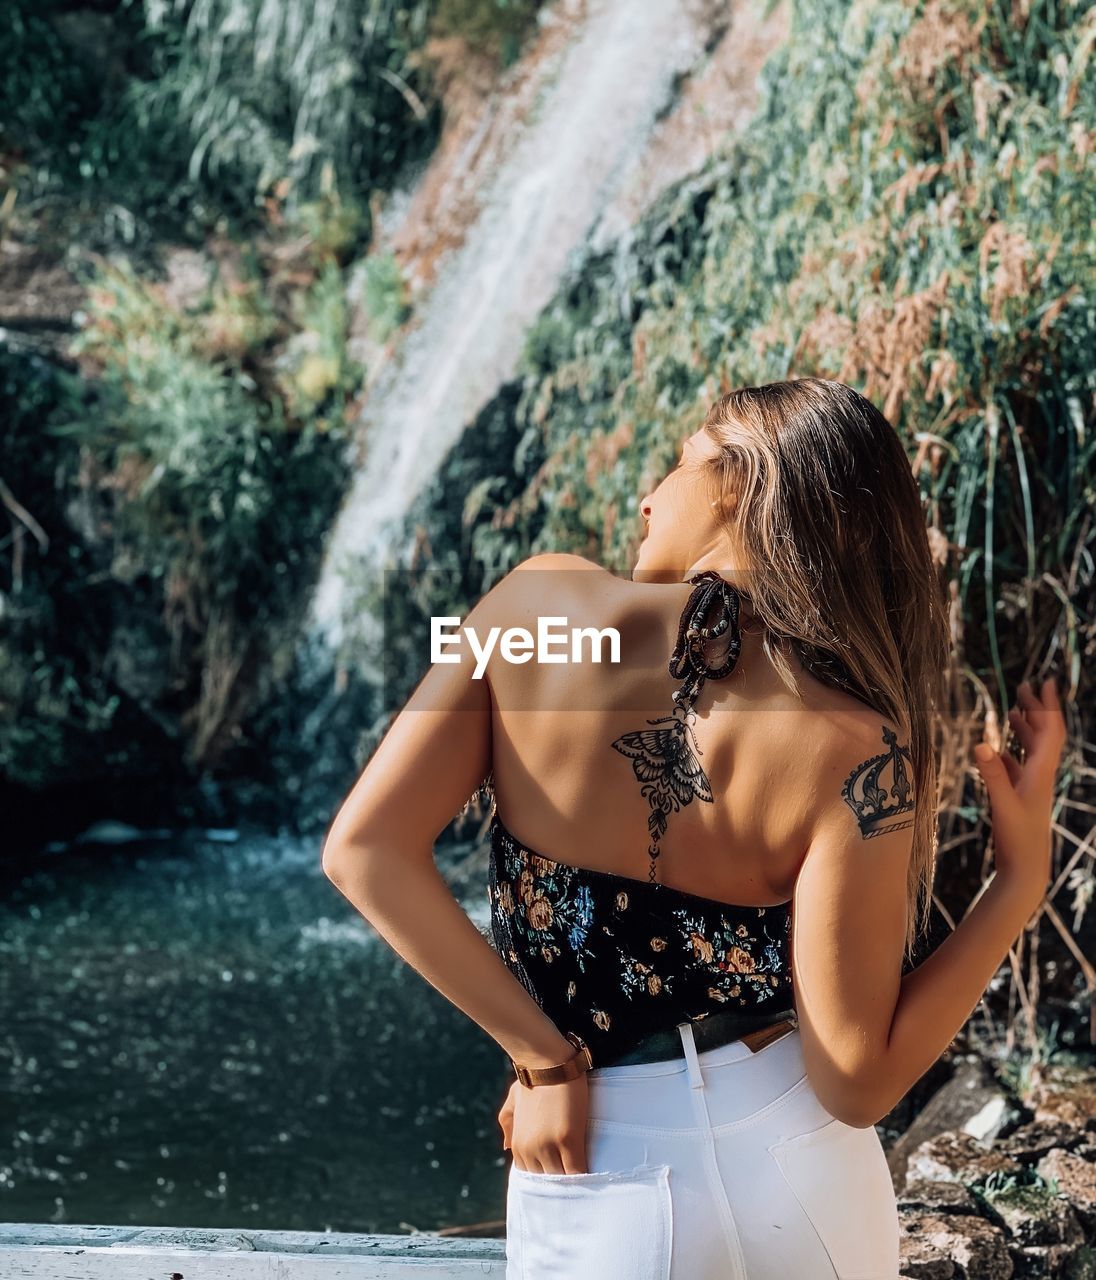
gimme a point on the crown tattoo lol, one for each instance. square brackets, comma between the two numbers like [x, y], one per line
[866, 790]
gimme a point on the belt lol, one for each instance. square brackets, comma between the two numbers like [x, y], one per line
[708, 1033]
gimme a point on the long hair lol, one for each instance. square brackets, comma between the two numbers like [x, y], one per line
[814, 484]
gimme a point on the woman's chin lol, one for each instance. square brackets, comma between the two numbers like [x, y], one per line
[646, 570]
[651, 566]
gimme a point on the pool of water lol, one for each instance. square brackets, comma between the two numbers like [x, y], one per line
[202, 1031]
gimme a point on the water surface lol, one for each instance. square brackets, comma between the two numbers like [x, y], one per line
[201, 1032]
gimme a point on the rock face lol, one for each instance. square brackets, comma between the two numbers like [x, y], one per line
[971, 1102]
[991, 1186]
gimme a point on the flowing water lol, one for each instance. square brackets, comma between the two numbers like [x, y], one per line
[554, 189]
[205, 1033]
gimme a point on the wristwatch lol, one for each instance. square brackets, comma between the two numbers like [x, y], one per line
[569, 1070]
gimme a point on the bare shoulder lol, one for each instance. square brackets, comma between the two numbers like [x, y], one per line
[558, 560]
[556, 578]
[541, 582]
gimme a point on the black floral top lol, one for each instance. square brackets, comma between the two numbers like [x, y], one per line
[614, 958]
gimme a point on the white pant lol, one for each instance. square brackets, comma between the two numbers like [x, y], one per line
[721, 1166]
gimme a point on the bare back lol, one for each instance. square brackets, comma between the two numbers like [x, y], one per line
[563, 790]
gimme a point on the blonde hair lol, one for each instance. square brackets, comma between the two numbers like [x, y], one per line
[813, 483]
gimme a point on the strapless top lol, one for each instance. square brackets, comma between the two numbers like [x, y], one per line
[614, 958]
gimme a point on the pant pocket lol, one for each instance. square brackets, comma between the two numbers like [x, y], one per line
[839, 1175]
[615, 1226]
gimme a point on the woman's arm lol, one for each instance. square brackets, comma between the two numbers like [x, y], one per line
[410, 906]
[869, 1033]
[379, 851]
[405, 898]
[938, 997]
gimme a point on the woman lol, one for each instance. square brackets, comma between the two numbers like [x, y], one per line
[705, 876]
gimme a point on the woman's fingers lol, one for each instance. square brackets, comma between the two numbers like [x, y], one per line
[1042, 707]
[1021, 728]
[1038, 722]
[571, 1159]
[1053, 705]
[1013, 767]
[1049, 728]
[506, 1119]
[1027, 699]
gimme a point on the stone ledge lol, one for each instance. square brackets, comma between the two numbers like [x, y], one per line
[30, 1249]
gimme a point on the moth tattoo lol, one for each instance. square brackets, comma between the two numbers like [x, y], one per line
[667, 766]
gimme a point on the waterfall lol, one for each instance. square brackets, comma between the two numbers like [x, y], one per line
[572, 176]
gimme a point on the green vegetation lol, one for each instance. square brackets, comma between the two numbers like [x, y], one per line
[230, 113]
[1026, 1199]
[184, 115]
[384, 295]
[205, 473]
[497, 27]
[57, 708]
[1033, 1186]
[171, 472]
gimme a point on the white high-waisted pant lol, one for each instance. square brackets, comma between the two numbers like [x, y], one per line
[721, 1166]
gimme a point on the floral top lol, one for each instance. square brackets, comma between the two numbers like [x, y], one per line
[614, 958]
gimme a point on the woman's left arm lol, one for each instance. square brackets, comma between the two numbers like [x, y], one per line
[379, 851]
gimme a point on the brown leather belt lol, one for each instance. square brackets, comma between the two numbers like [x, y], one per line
[708, 1033]
[758, 1039]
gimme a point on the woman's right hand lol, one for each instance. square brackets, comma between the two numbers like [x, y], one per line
[545, 1127]
[1021, 795]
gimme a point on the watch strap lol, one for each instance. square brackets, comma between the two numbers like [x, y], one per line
[579, 1062]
